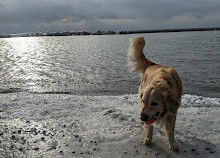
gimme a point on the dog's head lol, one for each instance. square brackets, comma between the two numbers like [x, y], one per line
[156, 102]
[152, 103]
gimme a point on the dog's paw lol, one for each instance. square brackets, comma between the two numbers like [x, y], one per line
[147, 141]
[173, 146]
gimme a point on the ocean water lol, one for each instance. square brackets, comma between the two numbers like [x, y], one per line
[97, 65]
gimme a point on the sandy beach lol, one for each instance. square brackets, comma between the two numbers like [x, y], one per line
[61, 125]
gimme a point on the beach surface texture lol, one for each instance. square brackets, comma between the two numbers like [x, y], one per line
[62, 125]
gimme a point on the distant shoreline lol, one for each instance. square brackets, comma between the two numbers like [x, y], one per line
[99, 32]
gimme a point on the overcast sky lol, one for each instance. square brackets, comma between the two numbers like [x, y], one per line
[18, 16]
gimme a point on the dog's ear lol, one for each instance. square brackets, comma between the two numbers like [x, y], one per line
[172, 102]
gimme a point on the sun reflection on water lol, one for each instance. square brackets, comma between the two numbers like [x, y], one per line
[25, 57]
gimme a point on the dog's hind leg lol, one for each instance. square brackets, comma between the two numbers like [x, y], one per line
[169, 128]
[148, 129]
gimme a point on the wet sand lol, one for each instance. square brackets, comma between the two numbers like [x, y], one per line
[55, 125]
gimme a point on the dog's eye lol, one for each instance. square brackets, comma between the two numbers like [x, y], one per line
[153, 104]
[141, 95]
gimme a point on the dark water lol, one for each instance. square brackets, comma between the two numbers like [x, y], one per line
[97, 65]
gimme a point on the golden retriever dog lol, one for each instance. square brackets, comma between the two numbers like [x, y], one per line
[159, 92]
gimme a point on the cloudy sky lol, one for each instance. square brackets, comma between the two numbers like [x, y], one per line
[18, 16]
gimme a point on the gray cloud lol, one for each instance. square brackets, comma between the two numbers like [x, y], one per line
[91, 15]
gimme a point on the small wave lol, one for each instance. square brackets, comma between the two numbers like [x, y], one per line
[10, 90]
[187, 99]
[53, 92]
[194, 99]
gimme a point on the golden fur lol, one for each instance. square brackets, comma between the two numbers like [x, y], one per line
[159, 92]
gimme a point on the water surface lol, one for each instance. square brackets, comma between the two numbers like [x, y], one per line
[97, 65]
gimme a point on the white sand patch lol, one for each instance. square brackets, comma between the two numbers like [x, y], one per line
[54, 125]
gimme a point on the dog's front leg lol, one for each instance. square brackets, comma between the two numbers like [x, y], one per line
[170, 127]
[148, 129]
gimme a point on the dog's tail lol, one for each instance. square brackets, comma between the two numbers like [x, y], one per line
[136, 59]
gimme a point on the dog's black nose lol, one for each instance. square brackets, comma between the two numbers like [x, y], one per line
[144, 117]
